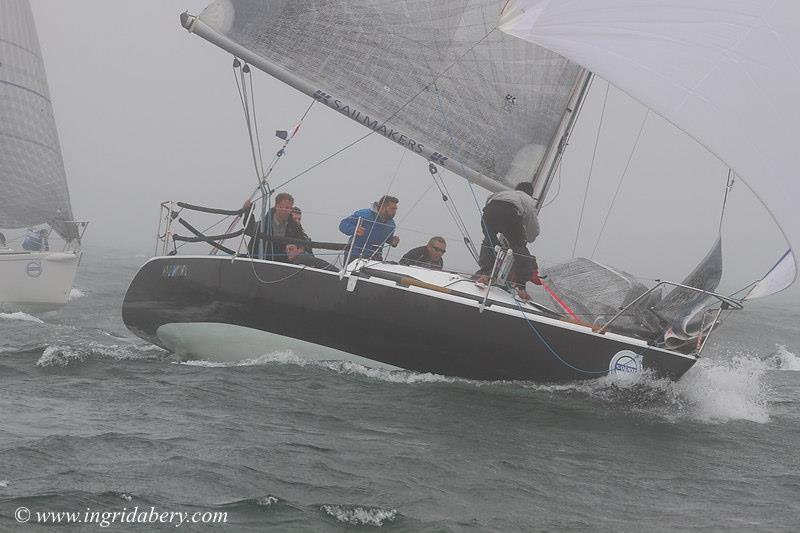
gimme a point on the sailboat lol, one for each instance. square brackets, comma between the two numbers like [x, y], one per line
[489, 90]
[32, 177]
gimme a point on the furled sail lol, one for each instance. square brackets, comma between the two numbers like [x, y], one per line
[683, 310]
[724, 72]
[32, 177]
[435, 76]
[596, 292]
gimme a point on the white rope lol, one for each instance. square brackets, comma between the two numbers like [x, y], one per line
[619, 184]
[591, 171]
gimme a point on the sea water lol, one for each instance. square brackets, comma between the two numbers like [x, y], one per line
[97, 423]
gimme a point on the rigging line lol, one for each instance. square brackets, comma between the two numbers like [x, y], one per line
[397, 170]
[400, 222]
[452, 210]
[388, 188]
[280, 153]
[281, 280]
[243, 97]
[619, 185]
[251, 123]
[591, 170]
[558, 191]
[728, 188]
[746, 287]
[397, 112]
[255, 120]
[445, 194]
[470, 244]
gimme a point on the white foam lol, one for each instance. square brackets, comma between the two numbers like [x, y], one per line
[76, 293]
[266, 501]
[64, 355]
[711, 392]
[19, 315]
[360, 516]
[786, 360]
[4, 483]
[725, 391]
[60, 356]
[340, 367]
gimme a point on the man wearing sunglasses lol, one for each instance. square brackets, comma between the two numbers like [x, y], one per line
[428, 256]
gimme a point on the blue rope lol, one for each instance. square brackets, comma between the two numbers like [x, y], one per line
[555, 354]
[550, 348]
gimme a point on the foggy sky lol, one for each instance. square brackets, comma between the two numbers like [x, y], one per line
[147, 112]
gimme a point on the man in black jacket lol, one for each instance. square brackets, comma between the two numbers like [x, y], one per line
[278, 222]
[428, 256]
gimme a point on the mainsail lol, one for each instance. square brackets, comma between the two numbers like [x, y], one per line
[435, 76]
[32, 176]
[724, 72]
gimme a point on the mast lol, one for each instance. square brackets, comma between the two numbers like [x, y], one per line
[543, 177]
[194, 25]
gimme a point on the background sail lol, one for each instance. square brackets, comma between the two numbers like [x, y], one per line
[32, 177]
[725, 72]
[496, 103]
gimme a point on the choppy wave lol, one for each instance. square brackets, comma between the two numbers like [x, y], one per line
[4, 483]
[360, 516]
[713, 391]
[19, 315]
[66, 355]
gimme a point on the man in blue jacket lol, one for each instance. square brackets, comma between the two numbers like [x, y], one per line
[372, 228]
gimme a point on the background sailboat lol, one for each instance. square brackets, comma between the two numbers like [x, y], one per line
[32, 176]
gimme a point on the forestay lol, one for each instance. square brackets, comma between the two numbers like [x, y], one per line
[32, 177]
[725, 72]
[435, 76]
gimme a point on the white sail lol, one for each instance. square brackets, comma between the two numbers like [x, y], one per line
[778, 278]
[435, 76]
[32, 176]
[725, 72]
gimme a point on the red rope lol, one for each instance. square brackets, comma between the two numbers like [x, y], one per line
[560, 302]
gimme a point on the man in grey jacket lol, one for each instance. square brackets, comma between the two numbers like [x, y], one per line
[512, 213]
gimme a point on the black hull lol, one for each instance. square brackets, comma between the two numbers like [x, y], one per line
[415, 329]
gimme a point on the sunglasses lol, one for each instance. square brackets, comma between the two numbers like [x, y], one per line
[440, 250]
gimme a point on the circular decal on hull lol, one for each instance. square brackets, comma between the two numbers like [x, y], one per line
[34, 269]
[625, 362]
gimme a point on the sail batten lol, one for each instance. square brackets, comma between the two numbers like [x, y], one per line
[32, 171]
[432, 75]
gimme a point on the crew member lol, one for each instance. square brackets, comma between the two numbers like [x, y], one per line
[512, 213]
[370, 228]
[428, 256]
